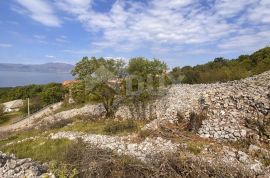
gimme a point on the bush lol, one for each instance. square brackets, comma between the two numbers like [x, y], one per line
[34, 105]
[195, 121]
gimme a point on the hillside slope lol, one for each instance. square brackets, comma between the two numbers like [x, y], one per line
[222, 70]
[229, 106]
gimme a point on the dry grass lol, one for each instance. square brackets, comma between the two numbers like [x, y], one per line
[90, 161]
[105, 126]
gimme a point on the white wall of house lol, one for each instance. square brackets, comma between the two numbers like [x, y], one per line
[13, 106]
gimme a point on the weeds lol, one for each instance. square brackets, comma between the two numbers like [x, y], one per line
[90, 161]
[117, 127]
[195, 121]
[41, 149]
[108, 127]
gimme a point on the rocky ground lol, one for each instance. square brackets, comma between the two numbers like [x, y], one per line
[235, 111]
[144, 150]
[11, 167]
[148, 149]
[228, 105]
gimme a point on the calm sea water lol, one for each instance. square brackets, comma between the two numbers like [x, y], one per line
[12, 79]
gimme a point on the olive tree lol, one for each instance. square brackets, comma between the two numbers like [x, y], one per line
[102, 78]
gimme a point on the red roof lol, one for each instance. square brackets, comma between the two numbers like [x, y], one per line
[67, 83]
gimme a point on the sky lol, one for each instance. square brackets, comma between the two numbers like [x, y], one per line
[179, 32]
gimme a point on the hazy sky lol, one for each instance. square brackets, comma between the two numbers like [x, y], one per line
[180, 32]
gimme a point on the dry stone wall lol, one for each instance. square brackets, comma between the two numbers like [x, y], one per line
[145, 150]
[11, 167]
[228, 105]
[232, 104]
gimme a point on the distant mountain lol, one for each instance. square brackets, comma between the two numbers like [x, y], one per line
[48, 67]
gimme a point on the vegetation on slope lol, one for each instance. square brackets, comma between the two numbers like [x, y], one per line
[222, 70]
[45, 94]
[105, 127]
[77, 159]
[9, 118]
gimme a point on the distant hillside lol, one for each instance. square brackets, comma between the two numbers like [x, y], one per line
[222, 70]
[48, 67]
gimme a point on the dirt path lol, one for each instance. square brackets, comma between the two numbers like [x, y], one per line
[26, 122]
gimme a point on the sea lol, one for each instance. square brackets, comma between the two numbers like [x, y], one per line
[13, 79]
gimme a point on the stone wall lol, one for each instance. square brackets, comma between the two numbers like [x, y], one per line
[11, 167]
[228, 105]
[145, 150]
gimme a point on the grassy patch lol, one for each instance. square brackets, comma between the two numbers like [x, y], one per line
[20, 135]
[41, 149]
[195, 147]
[9, 118]
[108, 127]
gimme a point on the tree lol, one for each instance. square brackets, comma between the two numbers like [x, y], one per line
[34, 105]
[144, 83]
[78, 92]
[97, 75]
[222, 70]
[104, 85]
[52, 93]
[143, 67]
[88, 66]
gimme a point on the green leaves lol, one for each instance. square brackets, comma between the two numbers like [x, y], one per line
[222, 70]
[87, 66]
[143, 67]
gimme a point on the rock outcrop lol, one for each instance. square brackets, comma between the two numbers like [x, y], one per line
[229, 106]
[91, 111]
[145, 150]
[11, 167]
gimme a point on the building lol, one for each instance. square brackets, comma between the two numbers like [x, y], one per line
[68, 83]
[12, 106]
